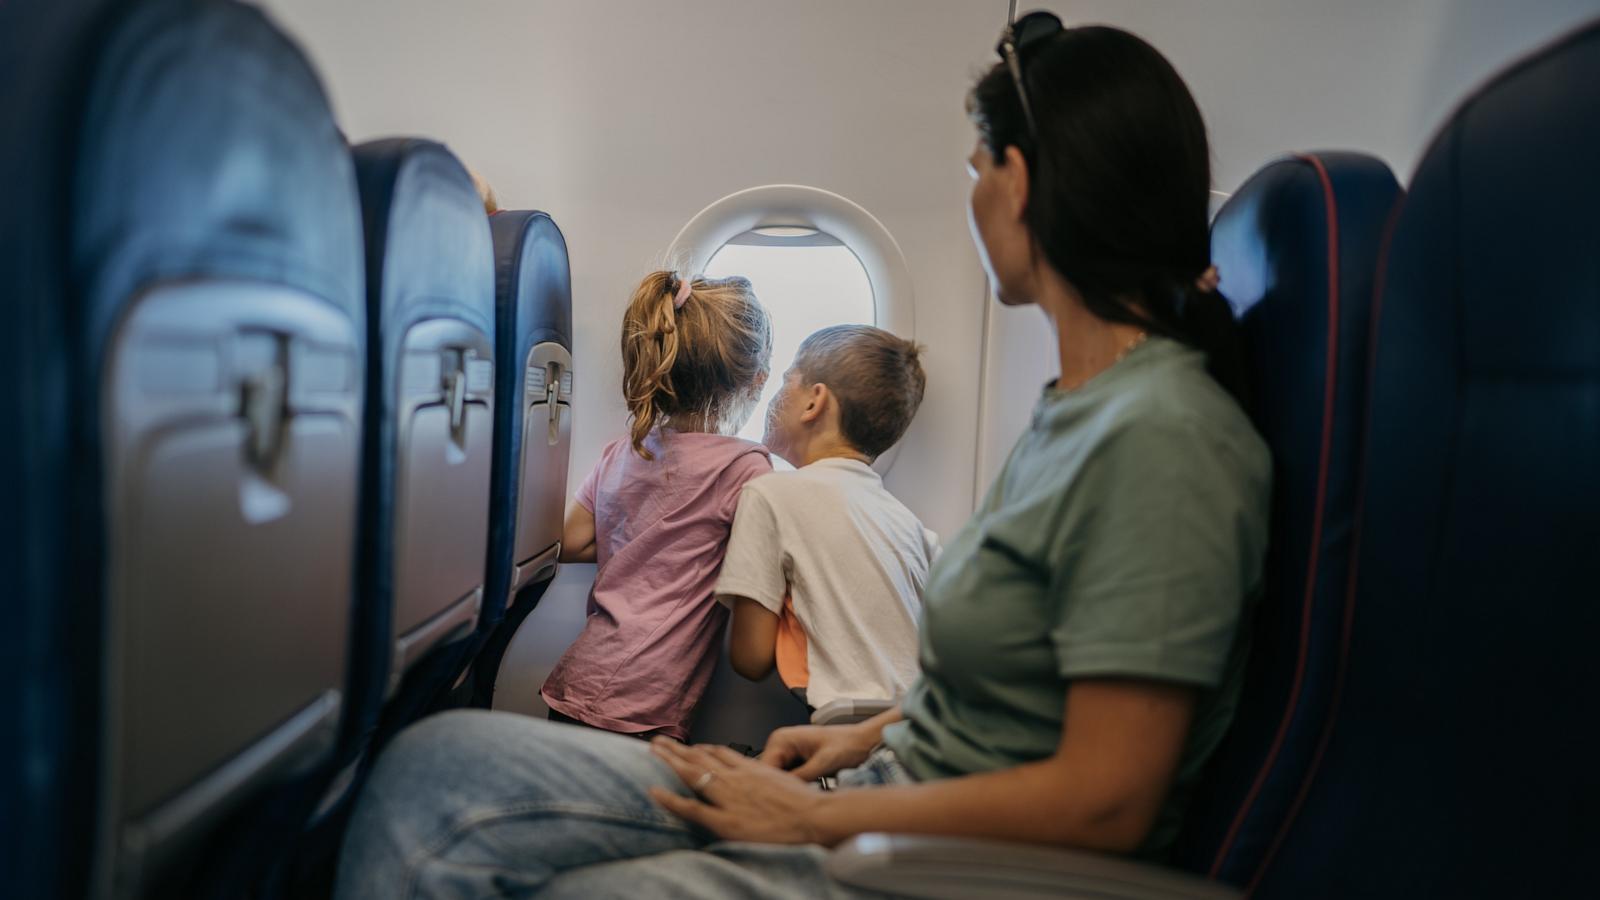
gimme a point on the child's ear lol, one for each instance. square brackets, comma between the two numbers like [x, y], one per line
[817, 397]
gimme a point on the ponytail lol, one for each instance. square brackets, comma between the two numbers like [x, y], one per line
[1206, 322]
[695, 357]
[649, 350]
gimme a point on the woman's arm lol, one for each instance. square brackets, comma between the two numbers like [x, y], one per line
[1121, 742]
[753, 642]
[577, 535]
[1120, 746]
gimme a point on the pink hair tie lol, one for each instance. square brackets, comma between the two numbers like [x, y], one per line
[1208, 280]
[685, 285]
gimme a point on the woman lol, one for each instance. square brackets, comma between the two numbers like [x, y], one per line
[1079, 650]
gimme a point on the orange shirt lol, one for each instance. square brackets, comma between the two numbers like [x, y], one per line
[791, 649]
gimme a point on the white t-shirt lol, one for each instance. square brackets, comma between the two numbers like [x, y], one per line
[853, 560]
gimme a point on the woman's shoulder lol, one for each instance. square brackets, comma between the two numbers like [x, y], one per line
[1175, 408]
[1174, 390]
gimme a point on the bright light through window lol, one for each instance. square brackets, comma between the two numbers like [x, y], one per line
[807, 280]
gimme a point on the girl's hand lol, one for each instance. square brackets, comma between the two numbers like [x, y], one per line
[740, 799]
[812, 751]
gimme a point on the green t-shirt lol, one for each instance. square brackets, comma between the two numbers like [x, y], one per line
[1123, 538]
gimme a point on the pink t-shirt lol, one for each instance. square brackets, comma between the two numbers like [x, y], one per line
[650, 642]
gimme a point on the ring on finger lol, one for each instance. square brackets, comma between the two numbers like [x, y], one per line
[703, 782]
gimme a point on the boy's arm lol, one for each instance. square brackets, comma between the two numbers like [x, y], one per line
[753, 583]
[577, 535]
[753, 642]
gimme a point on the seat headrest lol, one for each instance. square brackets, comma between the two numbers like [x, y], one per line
[1501, 234]
[208, 150]
[532, 274]
[426, 234]
[1273, 235]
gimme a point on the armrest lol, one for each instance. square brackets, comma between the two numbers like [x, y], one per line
[849, 712]
[943, 868]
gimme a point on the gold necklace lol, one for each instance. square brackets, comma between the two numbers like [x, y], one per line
[1127, 348]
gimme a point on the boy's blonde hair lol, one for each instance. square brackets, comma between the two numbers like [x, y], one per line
[703, 360]
[876, 377]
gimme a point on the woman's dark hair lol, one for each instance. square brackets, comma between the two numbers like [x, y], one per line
[1119, 183]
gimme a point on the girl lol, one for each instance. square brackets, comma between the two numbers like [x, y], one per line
[656, 510]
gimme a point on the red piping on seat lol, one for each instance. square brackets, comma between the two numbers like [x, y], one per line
[1329, 377]
[1380, 281]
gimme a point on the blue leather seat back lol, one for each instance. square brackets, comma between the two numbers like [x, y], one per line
[429, 426]
[1461, 761]
[208, 378]
[1297, 247]
[533, 410]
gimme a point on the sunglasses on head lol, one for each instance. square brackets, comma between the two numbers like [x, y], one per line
[1020, 34]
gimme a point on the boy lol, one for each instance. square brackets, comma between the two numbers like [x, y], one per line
[825, 568]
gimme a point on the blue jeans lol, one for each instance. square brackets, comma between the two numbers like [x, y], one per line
[478, 804]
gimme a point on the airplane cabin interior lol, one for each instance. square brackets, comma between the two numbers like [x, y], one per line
[402, 395]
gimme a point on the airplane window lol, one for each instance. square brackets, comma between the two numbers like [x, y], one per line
[807, 279]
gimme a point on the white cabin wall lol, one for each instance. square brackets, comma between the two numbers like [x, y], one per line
[1276, 76]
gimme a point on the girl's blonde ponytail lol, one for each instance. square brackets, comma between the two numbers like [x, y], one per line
[649, 349]
[698, 361]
